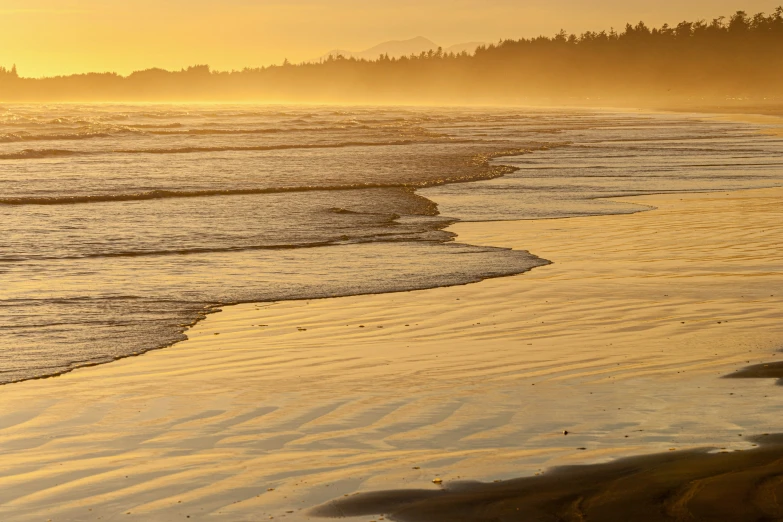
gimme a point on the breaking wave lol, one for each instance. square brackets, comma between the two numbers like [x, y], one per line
[37, 153]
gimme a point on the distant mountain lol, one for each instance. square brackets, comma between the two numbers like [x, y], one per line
[397, 48]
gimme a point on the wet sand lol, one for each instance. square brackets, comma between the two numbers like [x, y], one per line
[271, 409]
[708, 484]
[769, 115]
[687, 485]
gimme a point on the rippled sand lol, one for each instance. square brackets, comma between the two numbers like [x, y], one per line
[272, 408]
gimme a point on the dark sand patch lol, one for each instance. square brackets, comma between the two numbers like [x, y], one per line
[695, 485]
[760, 371]
[678, 485]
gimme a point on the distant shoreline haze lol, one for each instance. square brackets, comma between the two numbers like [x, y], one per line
[738, 57]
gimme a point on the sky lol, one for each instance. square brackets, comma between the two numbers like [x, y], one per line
[52, 37]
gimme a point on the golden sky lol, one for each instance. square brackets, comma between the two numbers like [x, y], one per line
[49, 37]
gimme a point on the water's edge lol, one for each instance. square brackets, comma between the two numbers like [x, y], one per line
[495, 168]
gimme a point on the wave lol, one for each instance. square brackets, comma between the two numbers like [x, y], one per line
[164, 115]
[154, 126]
[182, 251]
[67, 121]
[269, 130]
[165, 194]
[477, 160]
[389, 237]
[163, 130]
[12, 138]
[187, 150]
[37, 154]
[208, 132]
[45, 153]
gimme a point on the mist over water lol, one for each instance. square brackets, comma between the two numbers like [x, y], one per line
[123, 224]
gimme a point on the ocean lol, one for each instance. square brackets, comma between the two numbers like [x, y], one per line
[123, 225]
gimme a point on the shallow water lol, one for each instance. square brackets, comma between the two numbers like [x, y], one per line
[122, 224]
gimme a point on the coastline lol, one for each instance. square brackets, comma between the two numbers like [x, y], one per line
[483, 169]
[351, 394]
[768, 115]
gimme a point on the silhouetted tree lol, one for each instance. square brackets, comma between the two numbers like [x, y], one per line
[739, 56]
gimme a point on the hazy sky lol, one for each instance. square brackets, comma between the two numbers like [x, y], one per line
[47, 37]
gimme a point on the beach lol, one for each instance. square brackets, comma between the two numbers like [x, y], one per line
[413, 262]
[270, 409]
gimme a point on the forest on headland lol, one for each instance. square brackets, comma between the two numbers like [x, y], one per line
[739, 57]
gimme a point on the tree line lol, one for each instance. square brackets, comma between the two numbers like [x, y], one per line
[736, 57]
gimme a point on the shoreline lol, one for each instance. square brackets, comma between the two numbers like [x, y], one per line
[495, 169]
[489, 170]
[386, 383]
